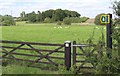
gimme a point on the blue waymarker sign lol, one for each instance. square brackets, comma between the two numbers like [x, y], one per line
[105, 19]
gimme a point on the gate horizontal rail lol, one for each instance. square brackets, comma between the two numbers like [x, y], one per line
[34, 55]
[42, 50]
[32, 43]
[83, 45]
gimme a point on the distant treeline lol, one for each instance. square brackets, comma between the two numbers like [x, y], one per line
[51, 15]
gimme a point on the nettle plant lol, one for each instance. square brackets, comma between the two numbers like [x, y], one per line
[116, 34]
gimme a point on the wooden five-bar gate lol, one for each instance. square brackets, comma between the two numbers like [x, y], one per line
[11, 50]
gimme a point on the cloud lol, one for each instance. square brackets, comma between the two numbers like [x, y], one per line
[6, 3]
[88, 8]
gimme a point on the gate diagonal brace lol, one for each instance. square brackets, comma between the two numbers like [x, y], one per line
[13, 50]
[43, 56]
[87, 55]
[82, 50]
[94, 65]
[34, 49]
[46, 56]
[9, 53]
[91, 53]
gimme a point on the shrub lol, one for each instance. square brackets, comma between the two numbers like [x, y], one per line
[116, 35]
[83, 19]
[32, 17]
[116, 32]
[7, 20]
[67, 21]
[97, 20]
[108, 66]
[78, 19]
[75, 19]
[117, 20]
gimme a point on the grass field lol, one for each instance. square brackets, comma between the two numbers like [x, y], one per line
[50, 32]
[46, 33]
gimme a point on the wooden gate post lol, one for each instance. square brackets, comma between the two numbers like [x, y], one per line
[74, 53]
[67, 54]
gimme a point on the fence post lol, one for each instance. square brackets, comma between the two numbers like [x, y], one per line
[74, 53]
[67, 54]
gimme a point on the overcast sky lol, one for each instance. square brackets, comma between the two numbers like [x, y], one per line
[89, 8]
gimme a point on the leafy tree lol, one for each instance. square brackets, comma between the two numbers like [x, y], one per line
[23, 16]
[32, 17]
[39, 17]
[74, 14]
[7, 20]
[58, 15]
[67, 13]
[48, 13]
[116, 8]
[71, 13]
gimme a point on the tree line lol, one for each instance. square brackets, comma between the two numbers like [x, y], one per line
[52, 15]
[48, 16]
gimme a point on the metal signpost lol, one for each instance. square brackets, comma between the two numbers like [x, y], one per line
[107, 19]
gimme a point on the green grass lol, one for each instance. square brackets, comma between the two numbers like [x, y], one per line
[46, 33]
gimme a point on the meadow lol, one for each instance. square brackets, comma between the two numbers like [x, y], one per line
[50, 32]
[47, 33]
